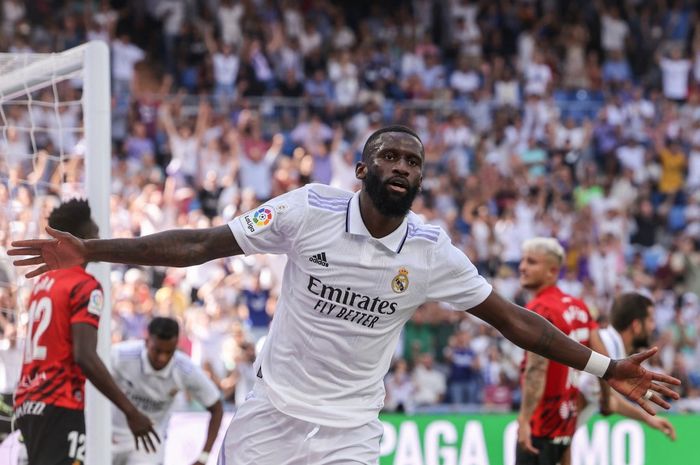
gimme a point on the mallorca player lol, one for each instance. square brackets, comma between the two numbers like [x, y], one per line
[60, 352]
[548, 412]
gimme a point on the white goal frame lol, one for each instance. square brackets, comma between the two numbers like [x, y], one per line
[89, 61]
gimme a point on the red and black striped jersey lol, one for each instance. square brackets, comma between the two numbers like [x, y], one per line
[59, 299]
[555, 415]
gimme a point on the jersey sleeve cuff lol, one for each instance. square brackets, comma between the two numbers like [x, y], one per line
[241, 237]
[482, 294]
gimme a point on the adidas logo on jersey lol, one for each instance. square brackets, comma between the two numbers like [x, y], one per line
[319, 259]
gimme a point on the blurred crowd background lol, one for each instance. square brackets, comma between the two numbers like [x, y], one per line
[578, 120]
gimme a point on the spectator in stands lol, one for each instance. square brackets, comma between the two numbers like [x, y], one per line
[400, 389]
[614, 30]
[675, 71]
[124, 56]
[430, 383]
[257, 160]
[465, 381]
[184, 142]
[616, 70]
[686, 264]
[138, 148]
[256, 299]
[225, 65]
[13, 12]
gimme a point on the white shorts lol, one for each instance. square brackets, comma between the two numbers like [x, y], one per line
[259, 434]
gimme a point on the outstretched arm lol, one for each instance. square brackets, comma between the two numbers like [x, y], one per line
[176, 247]
[535, 334]
[531, 332]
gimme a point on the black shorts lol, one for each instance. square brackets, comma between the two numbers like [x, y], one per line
[551, 452]
[53, 435]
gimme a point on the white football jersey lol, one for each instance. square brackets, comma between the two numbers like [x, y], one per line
[345, 298]
[151, 391]
[589, 385]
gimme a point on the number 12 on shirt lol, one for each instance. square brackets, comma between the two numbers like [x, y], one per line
[39, 310]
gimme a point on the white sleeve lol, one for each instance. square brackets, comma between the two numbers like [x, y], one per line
[200, 386]
[114, 360]
[113, 356]
[273, 226]
[615, 351]
[454, 279]
[115, 366]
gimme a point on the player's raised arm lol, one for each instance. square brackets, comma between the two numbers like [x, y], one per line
[177, 247]
[534, 333]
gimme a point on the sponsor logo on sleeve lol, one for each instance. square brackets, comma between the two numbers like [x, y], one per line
[96, 302]
[258, 219]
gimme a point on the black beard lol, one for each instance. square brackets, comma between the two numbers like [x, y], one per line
[640, 343]
[386, 202]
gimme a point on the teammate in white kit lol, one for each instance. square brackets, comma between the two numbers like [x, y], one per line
[358, 267]
[631, 324]
[151, 373]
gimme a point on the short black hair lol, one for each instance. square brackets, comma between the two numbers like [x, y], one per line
[375, 135]
[72, 216]
[627, 308]
[163, 328]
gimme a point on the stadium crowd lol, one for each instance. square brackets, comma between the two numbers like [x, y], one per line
[577, 120]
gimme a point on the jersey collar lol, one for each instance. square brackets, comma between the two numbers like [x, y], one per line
[148, 368]
[618, 341]
[355, 225]
[553, 289]
[77, 269]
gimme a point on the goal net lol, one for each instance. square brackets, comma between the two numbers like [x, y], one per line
[54, 145]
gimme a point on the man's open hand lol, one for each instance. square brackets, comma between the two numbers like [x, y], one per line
[642, 386]
[63, 251]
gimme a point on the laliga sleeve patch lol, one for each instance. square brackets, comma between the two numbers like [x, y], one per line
[258, 219]
[96, 302]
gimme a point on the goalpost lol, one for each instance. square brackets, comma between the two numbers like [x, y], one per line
[57, 106]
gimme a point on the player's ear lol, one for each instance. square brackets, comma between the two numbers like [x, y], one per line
[637, 326]
[360, 170]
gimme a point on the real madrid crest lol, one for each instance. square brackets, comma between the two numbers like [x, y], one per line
[400, 282]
